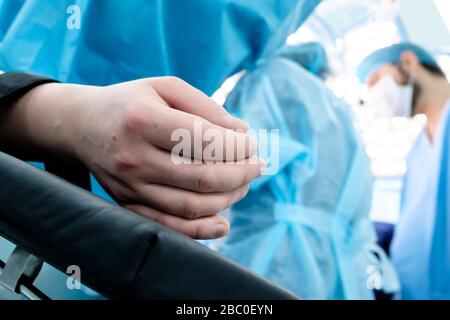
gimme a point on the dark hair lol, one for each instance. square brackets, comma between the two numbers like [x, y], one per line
[434, 69]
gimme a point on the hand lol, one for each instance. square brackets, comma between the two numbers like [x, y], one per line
[122, 133]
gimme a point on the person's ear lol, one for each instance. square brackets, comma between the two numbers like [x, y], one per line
[409, 62]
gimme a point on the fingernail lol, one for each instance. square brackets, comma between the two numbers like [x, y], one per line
[220, 230]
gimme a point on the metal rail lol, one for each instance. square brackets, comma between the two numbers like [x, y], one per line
[19, 273]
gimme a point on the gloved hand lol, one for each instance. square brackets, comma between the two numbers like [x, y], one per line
[122, 133]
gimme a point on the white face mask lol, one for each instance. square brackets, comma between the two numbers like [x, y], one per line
[391, 99]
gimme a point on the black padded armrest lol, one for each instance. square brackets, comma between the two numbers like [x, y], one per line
[120, 254]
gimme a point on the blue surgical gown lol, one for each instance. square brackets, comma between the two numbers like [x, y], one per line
[200, 41]
[307, 227]
[413, 243]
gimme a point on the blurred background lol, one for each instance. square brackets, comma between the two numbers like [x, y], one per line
[352, 29]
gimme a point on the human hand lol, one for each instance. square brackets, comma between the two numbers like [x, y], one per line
[122, 133]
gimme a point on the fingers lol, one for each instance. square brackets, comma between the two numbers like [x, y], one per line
[204, 178]
[180, 95]
[187, 204]
[205, 228]
[194, 137]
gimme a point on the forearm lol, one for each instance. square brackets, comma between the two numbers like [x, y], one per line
[37, 125]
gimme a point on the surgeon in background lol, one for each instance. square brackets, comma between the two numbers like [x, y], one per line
[406, 80]
[307, 227]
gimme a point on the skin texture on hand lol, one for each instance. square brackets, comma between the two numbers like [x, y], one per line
[122, 133]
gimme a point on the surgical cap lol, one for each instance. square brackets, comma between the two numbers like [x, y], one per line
[311, 56]
[392, 55]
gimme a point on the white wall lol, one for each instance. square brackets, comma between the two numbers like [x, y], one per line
[424, 24]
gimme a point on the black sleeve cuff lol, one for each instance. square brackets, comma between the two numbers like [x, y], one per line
[15, 84]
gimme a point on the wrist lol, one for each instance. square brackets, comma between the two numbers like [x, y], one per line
[48, 117]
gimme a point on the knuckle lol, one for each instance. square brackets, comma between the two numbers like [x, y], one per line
[192, 208]
[134, 118]
[125, 161]
[205, 182]
[159, 219]
[171, 80]
[120, 194]
[196, 232]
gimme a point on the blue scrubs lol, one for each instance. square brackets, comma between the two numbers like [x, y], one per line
[201, 41]
[413, 244]
[440, 252]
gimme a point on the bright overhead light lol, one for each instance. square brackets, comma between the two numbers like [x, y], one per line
[443, 7]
